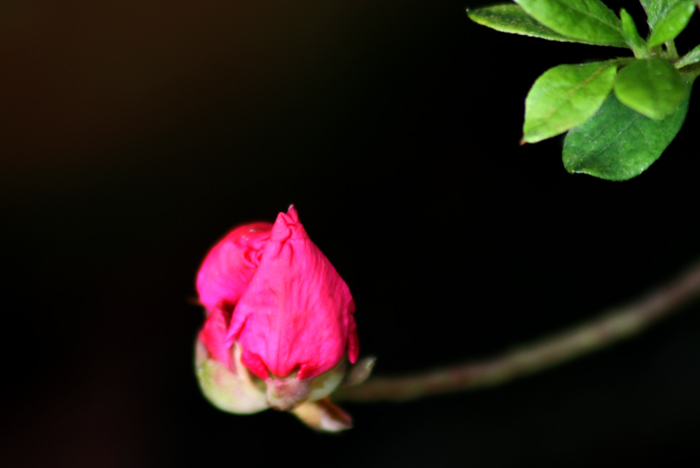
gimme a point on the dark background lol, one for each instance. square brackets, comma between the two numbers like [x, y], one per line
[134, 134]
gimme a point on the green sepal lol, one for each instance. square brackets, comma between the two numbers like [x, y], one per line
[588, 20]
[672, 22]
[232, 392]
[566, 96]
[653, 87]
[618, 143]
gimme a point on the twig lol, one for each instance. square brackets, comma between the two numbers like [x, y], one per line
[612, 327]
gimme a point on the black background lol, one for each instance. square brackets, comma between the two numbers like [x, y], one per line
[134, 134]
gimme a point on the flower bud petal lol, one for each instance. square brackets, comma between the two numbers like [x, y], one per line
[296, 316]
[213, 336]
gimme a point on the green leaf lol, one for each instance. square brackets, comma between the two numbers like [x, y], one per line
[672, 22]
[655, 9]
[565, 97]
[690, 58]
[618, 143]
[632, 37]
[588, 20]
[511, 18]
[653, 87]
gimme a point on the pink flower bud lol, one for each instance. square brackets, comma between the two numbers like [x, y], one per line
[274, 298]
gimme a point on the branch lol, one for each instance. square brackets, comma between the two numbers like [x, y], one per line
[612, 327]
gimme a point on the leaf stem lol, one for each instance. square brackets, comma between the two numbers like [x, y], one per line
[595, 335]
[671, 48]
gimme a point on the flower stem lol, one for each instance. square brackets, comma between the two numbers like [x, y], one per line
[620, 323]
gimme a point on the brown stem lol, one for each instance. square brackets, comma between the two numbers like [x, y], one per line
[610, 328]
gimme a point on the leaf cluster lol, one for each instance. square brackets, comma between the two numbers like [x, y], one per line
[620, 114]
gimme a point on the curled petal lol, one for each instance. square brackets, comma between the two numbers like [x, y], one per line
[230, 265]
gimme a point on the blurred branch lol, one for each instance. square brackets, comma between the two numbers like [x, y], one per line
[621, 323]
